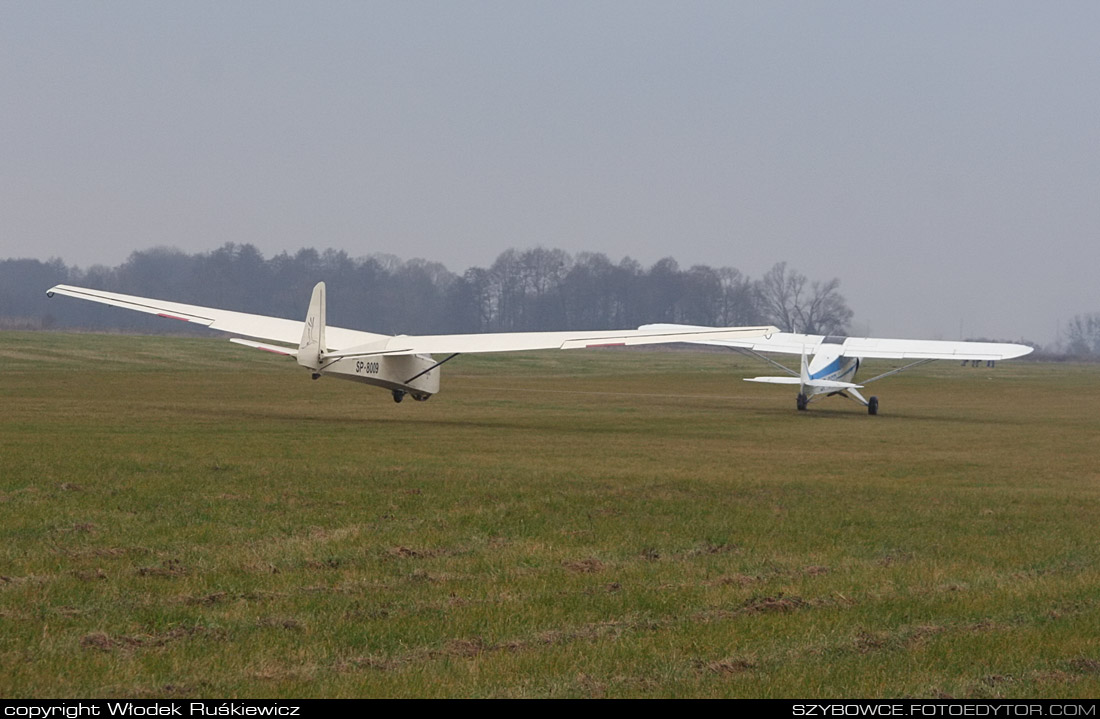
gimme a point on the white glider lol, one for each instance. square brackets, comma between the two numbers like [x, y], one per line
[402, 364]
[835, 360]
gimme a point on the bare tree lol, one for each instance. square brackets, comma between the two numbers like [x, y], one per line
[780, 291]
[1084, 335]
[794, 304]
[825, 312]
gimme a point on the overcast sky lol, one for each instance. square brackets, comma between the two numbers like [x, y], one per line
[941, 158]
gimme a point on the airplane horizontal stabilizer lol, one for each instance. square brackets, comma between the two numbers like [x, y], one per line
[822, 383]
[775, 380]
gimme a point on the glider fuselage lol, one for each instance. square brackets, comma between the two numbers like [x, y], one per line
[417, 375]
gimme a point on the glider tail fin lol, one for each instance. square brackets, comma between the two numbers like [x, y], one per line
[312, 348]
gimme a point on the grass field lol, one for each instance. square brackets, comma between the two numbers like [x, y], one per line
[184, 517]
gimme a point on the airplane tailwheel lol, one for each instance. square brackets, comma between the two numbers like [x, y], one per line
[872, 405]
[803, 400]
[398, 395]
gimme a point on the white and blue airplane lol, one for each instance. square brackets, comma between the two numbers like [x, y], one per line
[402, 364]
[829, 363]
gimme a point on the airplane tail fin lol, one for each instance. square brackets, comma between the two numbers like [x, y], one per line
[312, 348]
[805, 373]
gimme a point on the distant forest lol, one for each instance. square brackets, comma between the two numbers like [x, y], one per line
[535, 289]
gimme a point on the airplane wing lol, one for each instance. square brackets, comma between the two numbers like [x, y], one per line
[869, 347]
[355, 343]
[875, 348]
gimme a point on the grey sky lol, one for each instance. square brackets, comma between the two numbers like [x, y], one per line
[941, 159]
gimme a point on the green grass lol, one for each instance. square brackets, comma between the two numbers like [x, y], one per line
[184, 517]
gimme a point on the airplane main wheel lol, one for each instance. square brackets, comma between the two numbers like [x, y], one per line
[421, 397]
[872, 405]
[398, 395]
[803, 400]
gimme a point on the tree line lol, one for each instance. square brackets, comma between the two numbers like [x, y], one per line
[522, 290]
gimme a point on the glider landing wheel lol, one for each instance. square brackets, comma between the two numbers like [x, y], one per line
[398, 395]
[803, 400]
[872, 405]
[421, 397]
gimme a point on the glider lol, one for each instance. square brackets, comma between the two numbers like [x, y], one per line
[402, 364]
[829, 363]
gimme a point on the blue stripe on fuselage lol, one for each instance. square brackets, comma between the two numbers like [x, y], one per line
[833, 366]
[836, 366]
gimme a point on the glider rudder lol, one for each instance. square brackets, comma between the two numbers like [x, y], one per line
[312, 348]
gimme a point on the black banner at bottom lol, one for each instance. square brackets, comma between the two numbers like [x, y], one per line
[826, 709]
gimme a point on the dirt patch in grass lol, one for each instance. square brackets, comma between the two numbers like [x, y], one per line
[993, 680]
[771, 604]
[1053, 676]
[124, 642]
[287, 623]
[1085, 665]
[4, 579]
[744, 580]
[329, 563]
[102, 552]
[79, 528]
[71, 611]
[585, 566]
[90, 575]
[867, 642]
[382, 664]
[740, 580]
[707, 548]
[729, 665]
[466, 647]
[593, 688]
[403, 552]
[767, 604]
[206, 599]
[169, 568]
[890, 559]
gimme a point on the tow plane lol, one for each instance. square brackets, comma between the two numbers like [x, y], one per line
[402, 364]
[829, 363]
